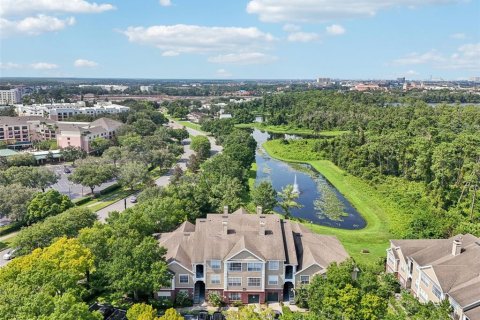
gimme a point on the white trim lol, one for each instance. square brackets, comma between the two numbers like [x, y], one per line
[228, 281]
[185, 275]
[233, 255]
[273, 284]
[217, 276]
[302, 280]
[313, 264]
[181, 265]
[219, 264]
[230, 263]
[255, 263]
[259, 284]
[278, 265]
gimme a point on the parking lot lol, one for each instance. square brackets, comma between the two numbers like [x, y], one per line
[69, 188]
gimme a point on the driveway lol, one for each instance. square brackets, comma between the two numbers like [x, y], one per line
[165, 179]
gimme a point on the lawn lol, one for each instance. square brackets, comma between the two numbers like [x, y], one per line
[372, 205]
[289, 129]
[105, 200]
[190, 125]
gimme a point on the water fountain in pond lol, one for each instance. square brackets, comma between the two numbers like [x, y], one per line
[296, 189]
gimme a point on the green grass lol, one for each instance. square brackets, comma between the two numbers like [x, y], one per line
[371, 204]
[6, 243]
[289, 129]
[252, 175]
[190, 125]
[105, 200]
[294, 150]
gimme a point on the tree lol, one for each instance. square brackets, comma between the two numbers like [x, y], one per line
[113, 153]
[41, 234]
[249, 313]
[73, 154]
[69, 306]
[144, 127]
[287, 202]
[132, 173]
[171, 314]
[46, 204]
[201, 145]
[193, 163]
[36, 286]
[240, 145]
[265, 196]
[32, 177]
[177, 174]
[141, 311]
[14, 200]
[99, 145]
[92, 172]
[21, 159]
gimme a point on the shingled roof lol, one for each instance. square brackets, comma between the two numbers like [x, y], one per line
[222, 236]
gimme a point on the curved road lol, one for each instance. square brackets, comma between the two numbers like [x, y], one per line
[165, 179]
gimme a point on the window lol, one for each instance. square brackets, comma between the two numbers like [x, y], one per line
[273, 265]
[436, 291]
[254, 282]
[234, 282]
[234, 266]
[215, 279]
[304, 279]
[234, 296]
[215, 264]
[183, 278]
[254, 266]
[425, 280]
[272, 280]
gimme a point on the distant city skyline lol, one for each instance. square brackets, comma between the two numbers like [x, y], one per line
[256, 39]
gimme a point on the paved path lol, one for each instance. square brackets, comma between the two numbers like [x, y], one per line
[165, 179]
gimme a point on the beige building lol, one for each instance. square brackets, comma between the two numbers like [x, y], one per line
[245, 257]
[9, 97]
[438, 269]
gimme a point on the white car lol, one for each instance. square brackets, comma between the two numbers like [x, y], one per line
[10, 254]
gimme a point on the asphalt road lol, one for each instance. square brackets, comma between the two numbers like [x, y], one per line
[165, 179]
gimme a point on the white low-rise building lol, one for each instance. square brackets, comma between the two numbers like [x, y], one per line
[11, 96]
[63, 111]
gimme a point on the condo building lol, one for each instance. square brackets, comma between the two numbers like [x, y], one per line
[438, 269]
[248, 258]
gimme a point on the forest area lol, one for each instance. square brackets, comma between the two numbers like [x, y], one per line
[424, 156]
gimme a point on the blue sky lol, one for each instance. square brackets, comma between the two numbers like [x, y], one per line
[251, 39]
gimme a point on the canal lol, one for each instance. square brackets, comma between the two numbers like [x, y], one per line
[321, 202]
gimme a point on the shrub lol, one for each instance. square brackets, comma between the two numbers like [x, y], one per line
[215, 299]
[183, 300]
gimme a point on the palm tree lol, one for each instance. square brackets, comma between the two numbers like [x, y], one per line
[288, 197]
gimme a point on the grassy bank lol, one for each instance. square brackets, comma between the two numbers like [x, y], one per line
[283, 129]
[371, 204]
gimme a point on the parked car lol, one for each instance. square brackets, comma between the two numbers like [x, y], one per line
[276, 314]
[67, 170]
[189, 317]
[217, 315]
[203, 315]
[133, 199]
[10, 254]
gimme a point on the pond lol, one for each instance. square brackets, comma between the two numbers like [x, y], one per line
[321, 203]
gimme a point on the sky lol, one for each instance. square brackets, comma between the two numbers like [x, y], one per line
[241, 39]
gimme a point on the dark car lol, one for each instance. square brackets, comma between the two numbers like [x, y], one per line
[66, 170]
[276, 314]
[189, 317]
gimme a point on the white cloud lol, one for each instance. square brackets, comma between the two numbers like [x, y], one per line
[411, 73]
[335, 30]
[431, 56]
[83, 63]
[289, 27]
[243, 58]
[34, 25]
[26, 7]
[458, 36]
[466, 57]
[327, 10]
[165, 3]
[302, 37]
[43, 66]
[9, 65]
[223, 73]
[170, 53]
[182, 38]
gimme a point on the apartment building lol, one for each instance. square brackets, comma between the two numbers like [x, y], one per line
[81, 134]
[438, 269]
[11, 96]
[251, 258]
[25, 130]
[63, 111]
